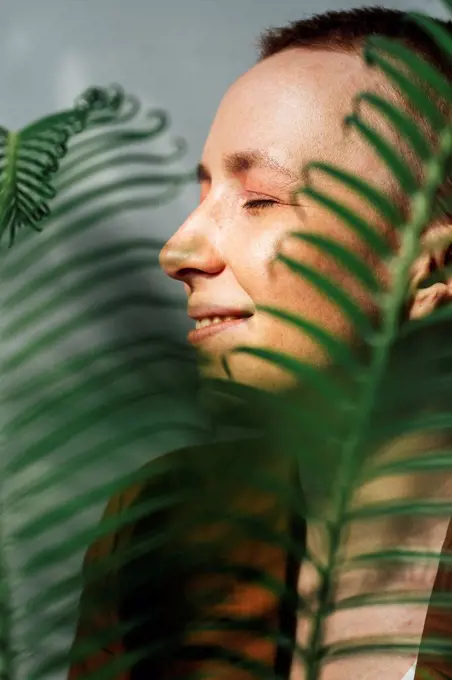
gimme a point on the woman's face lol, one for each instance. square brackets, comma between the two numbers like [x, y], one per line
[284, 112]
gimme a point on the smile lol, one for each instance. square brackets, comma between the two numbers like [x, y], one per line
[206, 328]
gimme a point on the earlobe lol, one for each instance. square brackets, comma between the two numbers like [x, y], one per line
[426, 300]
[431, 264]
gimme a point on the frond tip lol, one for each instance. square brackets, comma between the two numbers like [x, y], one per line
[31, 157]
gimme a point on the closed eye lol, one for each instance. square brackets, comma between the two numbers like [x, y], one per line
[259, 203]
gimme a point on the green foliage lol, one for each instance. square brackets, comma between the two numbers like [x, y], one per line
[60, 379]
[31, 157]
[74, 420]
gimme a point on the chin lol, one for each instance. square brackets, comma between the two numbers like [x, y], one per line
[249, 371]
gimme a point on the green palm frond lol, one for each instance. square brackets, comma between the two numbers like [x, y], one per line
[54, 384]
[31, 157]
[370, 419]
[85, 420]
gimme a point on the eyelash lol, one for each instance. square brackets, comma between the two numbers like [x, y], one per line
[259, 203]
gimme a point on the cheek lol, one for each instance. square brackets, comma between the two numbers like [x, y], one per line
[297, 294]
[250, 249]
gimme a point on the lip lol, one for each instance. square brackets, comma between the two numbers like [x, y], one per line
[209, 311]
[198, 335]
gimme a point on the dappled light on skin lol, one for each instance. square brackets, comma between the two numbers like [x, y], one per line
[236, 251]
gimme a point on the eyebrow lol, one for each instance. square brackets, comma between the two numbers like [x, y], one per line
[242, 161]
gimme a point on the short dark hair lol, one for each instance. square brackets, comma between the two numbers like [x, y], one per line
[347, 30]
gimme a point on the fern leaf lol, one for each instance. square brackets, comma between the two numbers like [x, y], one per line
[420, 67]
[349, 217]
[339, 353]
[374, 197]
[189, 511]
[343, 256]
[388, 153]
[408, 87]
[32, 156]
[436, 31]
[403, 123]
[331, 291]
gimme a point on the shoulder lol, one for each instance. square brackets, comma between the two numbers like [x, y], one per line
[194, 467]
[111, 533]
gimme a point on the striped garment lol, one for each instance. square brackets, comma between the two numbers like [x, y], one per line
[161, 605]
[163, 601]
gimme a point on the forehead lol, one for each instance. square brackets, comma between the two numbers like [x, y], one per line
[292, 106]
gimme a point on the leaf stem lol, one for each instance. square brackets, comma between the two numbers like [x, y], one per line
[421, 213]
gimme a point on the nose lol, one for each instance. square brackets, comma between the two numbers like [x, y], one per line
[191, 252]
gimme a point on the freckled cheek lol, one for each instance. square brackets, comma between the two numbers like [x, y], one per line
[297, 287]
[250, 256]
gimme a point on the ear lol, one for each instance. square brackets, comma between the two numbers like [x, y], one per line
[431, 276]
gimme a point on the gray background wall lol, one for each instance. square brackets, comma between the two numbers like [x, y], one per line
[177, 54]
